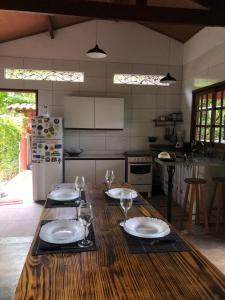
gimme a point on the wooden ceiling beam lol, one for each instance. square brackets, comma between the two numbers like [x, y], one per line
[112, 11]
[141, 2]
[205, 3]
[50, 27]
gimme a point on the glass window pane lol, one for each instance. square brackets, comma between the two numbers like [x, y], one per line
[208, 131]
[209, 117]
[198, 118]
[202, 134]
[199, 102]
[204, 102]
[223, 103]
[222, 135]
[203, 118]
[209, 100]
[197, 130]
[217, 134]
[217, 117]
[223, 116]
[218, 99]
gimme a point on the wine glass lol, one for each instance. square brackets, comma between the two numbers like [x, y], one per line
[109, 178]
[79, 185]
[85, 216]
[126, 201]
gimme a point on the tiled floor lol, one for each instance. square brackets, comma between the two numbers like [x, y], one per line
[18, 224]
[212, 245]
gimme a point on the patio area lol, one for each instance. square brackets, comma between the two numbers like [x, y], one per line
[18, 190]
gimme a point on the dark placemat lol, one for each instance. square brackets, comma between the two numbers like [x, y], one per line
[41, 247]
[116, 202]
[169, 243]
[52, 203]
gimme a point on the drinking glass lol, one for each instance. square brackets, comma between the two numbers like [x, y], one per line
[109, 178]
[85, 216]
[79, 185]
[126, 201]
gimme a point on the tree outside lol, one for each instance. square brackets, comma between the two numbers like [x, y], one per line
[11, 126]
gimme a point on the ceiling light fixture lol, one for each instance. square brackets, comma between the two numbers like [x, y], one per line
[168, 78]
[96, 52]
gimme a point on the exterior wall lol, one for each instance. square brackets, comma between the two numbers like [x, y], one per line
[203, 65]
[131, 48]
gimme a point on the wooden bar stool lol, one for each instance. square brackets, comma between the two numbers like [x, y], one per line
[218, 200]
[195, 190]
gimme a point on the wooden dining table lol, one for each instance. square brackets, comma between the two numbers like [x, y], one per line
[112, 272]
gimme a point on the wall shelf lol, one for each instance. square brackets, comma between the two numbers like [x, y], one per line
[166, 123]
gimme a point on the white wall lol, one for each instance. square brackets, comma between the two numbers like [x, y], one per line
[131, 48]
[203, 65]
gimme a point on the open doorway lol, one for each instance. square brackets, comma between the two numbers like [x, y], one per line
[17, 107]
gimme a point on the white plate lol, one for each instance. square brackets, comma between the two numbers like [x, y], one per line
[115, 193]
[63, 195]
[62, 232]
[147, 227]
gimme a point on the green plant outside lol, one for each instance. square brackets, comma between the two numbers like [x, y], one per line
[11, 125]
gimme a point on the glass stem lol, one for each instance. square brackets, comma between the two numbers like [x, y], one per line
[125, 217]
[85, 233]
[76, 214]
[80, 194]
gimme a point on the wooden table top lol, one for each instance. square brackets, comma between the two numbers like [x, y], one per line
[112, 272]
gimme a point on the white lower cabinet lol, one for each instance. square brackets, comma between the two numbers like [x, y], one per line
[84, 168]
[118, 166]
[93, 170]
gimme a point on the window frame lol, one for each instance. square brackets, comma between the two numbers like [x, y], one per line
[213, 89]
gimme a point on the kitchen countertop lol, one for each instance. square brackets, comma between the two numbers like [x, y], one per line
[96, 157]
[204, 161]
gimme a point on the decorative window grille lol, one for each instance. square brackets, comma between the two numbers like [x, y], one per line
[209, 115]
[138, 79]
[46, 75]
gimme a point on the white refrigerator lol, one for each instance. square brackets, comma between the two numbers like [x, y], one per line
[47, 155]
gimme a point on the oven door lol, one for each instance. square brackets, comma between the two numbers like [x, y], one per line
[140, 173]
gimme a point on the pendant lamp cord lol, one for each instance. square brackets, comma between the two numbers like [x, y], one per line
[96, 31]
[169, 53]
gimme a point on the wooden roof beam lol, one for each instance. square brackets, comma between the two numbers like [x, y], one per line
[112, 11]
[205, 3]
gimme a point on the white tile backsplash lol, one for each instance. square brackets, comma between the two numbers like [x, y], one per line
[139, 143]
[93, 69]
[142, 103]
[90, 143]
[117, 143]
[37, 63]
[45, 97]
[66, 65]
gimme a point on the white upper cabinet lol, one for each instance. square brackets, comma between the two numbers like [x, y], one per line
[93, 112]
[109, 113]
[78, 112]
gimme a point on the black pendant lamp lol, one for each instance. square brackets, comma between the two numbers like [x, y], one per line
[96, 52]
[168, 78]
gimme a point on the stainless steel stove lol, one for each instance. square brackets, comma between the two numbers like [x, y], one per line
[139, 171]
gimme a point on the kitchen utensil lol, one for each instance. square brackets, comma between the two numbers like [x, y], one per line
[85, 216]
[126, 201]
[116, 193]
[63, 195]
[62, 232]
[147, 227]
[109, 178]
